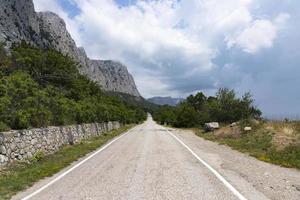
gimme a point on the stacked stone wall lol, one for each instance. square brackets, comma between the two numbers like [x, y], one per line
[23, 144]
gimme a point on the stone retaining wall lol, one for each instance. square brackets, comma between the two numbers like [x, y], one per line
[23, 144]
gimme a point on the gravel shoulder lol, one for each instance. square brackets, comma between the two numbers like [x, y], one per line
[244, 171]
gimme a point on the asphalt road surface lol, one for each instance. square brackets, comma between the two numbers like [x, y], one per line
[151, 162]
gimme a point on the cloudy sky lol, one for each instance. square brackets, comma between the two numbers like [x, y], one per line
[178, 47]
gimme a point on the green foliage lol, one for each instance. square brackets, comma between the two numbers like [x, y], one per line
[199, 109]
[166, 114]
[4, 59]
[186, 116]
[289, 157]
[134, 101]
[3, 126]
[38, 156]
[44, 87]
[22, 102]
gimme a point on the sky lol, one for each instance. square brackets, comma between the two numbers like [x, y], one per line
[179, 47]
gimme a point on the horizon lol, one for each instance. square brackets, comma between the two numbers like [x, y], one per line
[184, 48]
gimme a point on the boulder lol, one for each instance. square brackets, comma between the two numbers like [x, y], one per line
[211, 126]
[247, 128]
[233, 124]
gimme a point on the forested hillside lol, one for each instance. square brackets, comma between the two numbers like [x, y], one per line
[43, 87]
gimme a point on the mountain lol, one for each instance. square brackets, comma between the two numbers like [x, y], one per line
[19, 22]
[165, 100]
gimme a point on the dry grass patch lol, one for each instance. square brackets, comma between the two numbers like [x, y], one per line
[275, 142]
[285, 133]
[227, 131]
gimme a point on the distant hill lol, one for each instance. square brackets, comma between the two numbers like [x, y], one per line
[165, 100]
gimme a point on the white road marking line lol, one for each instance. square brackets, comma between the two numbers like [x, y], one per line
[76, 166]
[217, 174]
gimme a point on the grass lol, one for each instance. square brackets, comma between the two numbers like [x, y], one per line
[19, 176]
[279, 125]
[258, 143]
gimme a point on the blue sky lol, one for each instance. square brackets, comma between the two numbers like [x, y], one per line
[72, 9]
[125, 2]
[181, 47]
[69, 7]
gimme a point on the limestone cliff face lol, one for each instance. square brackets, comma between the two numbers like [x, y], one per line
[19, 22]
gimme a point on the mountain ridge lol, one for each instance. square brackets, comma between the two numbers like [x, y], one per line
[19, 22]
[165, 100]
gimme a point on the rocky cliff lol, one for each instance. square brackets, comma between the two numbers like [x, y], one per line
[19, 22]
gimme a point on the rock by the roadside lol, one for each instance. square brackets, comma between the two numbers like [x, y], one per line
[248, 128]
[233, 124]
[211, 126]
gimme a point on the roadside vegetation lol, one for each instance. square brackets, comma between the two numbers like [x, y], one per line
[276, 142]
[21, 175]
[39, 88]
[198, 109]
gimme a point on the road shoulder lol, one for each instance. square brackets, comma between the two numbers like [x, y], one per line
[243, 171]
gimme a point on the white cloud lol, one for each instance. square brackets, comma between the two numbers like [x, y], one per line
[44, 5]
[169, 43]
[258, 35]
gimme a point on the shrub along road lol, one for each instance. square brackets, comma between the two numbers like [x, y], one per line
[151, 162]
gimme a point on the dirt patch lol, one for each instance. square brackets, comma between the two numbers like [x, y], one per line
[228, 131]
[285, 134]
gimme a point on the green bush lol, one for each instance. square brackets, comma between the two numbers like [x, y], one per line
[186, 116]
[3, 126]
[38, 156]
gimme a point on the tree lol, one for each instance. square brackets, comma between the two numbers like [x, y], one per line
[198, 101]
[165, 114]
[187, 116]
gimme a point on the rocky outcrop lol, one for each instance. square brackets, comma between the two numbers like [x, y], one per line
[19, 22]
[20, 145]
[111, 75]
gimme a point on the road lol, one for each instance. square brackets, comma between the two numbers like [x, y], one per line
[151, 162]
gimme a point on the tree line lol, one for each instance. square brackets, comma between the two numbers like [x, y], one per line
[40, 87]
[198, 109]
